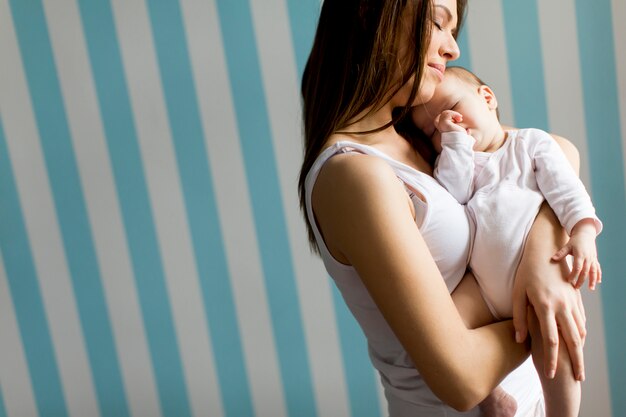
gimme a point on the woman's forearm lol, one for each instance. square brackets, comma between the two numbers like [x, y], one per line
[490, 354]
[545, 237]
[491, 350]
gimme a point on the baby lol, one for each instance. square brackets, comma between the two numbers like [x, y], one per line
[502, 177]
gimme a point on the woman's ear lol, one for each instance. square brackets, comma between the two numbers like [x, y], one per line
[490, 98]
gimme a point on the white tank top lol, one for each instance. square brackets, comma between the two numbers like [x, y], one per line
[444, 225]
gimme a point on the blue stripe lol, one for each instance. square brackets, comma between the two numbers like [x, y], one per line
[595, 38]
[252, 117]
[525, 64]
[137, 214]
[49, 109]
[204, 225]
[465, 60]
[362, 391]
[360, 374]
[3, 412]
[24, 288]
[303, 16]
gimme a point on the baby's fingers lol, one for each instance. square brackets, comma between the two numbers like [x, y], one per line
[594, 275]
[577, 268]
[584, 273]
[562, 253]
[451, 114]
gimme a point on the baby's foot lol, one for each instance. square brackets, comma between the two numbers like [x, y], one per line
[498, 404]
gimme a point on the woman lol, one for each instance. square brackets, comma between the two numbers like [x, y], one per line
[364, 188]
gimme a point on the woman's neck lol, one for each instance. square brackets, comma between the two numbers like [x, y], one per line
[368, 120]
[388, 141]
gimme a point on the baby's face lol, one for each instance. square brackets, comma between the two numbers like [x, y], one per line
[479, 118]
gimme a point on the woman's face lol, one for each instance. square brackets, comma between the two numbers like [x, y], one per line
[442, 48]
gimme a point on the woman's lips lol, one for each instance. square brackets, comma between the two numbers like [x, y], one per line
[439, 70]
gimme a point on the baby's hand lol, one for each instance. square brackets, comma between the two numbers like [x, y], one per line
[447, 121]
[582, 245]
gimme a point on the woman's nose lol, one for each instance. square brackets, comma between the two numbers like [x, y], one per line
[450, 49]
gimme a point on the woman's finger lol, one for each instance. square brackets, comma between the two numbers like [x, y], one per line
[579, 321]
[550, 337]
[574, 343]
[520, 311]
[581, 307]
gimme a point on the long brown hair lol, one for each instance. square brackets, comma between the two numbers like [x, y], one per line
[352, 67]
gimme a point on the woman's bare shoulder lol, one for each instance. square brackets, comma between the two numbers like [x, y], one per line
[353, 190]
[355, 170]
[358, 181]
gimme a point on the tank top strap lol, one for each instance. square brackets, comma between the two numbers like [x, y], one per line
[412, 179]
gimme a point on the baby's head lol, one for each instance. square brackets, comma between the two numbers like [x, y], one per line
[465, 93]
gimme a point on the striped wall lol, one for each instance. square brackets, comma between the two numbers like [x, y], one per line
[153, 261]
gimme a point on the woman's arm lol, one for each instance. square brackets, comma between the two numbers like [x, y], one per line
[570, 151]
[542, 284]
[367, 221]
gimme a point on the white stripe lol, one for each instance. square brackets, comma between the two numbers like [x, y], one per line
[619, 38]
[596, 390]
[280, 80]
[155, 141]
[70, 54]
[563, 82]
[487, 44]
[17, 390]
[566, 117]
[566, 113]
[234, 206]
[42, 227]
[382, 400]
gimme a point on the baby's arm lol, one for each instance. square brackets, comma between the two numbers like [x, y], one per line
[582, 245]
[571, 203]
[454, 168]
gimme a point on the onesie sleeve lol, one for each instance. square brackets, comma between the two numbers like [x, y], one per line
[560, 185]
[454, 168]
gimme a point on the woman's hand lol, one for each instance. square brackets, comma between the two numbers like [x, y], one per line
[543, 286]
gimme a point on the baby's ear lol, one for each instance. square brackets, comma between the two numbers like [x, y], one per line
[489, 97]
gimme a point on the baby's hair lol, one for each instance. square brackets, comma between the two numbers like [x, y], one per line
[465, 75]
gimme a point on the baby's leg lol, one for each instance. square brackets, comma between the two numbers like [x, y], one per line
[470, 303]
[475, 313]
[562, 393]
